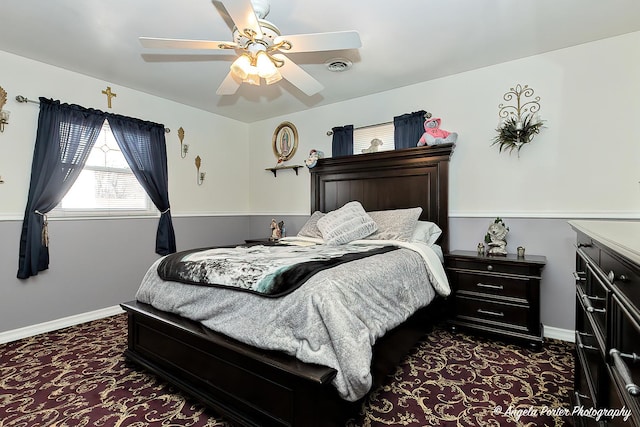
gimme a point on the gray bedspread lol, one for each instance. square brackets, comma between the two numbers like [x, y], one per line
[332, 320]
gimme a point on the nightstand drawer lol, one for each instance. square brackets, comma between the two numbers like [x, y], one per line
[491, 265]
[506, 315]
[498, 286]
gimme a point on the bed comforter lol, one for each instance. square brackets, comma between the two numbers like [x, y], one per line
[333, 320]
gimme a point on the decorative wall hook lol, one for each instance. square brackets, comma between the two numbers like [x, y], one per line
[184, 148]
[519, 123]
[200, 175]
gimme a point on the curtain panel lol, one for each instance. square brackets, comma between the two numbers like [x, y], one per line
[143, 145]
[342, 142]
[65, 136]
[408, 128]
[66, 133]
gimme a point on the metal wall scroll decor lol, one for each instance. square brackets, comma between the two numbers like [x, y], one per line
[519, 123]
[200, 175]
[184, 148]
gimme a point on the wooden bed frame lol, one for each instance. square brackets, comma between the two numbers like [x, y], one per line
[264, 388]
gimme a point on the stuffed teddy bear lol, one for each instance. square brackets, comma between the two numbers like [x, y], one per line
[434, 135]
[373, 147]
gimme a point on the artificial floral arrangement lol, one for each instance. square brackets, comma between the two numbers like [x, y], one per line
[519, 123]
[514, 133]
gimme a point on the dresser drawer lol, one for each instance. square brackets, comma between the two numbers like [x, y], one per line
[626, 343]
[493, 285]
[622, 277]
[502, 315]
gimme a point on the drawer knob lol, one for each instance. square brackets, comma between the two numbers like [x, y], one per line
[623, 370]
[490, 267]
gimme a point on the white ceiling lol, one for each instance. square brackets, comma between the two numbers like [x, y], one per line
[403, 42]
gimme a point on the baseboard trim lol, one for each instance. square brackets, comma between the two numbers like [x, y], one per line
[559, 334]
[54, 325]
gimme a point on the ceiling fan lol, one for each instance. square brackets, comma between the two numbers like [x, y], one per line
[260, 47]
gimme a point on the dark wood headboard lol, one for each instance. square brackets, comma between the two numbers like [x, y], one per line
[388, 180]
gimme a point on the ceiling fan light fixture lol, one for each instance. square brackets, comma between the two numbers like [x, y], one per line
[275, 77]
[252, 79]
[241, 67]
[264, 65]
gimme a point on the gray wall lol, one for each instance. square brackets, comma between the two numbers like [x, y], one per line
[99, 263]
[94, 264]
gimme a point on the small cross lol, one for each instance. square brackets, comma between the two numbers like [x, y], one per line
[109, 95]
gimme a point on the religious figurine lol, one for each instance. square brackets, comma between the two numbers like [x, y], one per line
[495, 238]
[275, 231]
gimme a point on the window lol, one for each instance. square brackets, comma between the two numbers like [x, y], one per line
[106, 185]
[363, 137]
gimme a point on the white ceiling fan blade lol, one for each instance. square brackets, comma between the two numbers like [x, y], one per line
[229, 85]
[297, 76]
[322, 41]
[243, 15]
[160, 43]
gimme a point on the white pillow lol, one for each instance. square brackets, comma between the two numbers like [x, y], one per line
[310, 228]
[426, 232]
[346, 224]
[396, 224]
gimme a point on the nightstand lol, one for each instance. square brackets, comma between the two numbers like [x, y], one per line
[499, 295]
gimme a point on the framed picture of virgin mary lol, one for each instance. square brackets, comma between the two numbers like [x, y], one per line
[285, 141]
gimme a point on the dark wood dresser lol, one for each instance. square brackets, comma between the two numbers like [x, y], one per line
[607, 368]
[497, 294]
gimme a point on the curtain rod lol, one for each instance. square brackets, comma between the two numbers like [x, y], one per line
[330, 132]
[24, 99]
[427, 115]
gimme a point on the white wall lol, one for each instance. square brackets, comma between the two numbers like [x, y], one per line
[585, 162]
[219, 141]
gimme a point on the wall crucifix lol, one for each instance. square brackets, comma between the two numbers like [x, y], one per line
[109, 95]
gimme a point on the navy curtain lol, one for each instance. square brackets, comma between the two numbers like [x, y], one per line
[408, 128]
[342, 142]
[144, 146]
[66, 133]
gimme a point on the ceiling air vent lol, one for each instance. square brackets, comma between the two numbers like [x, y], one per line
[338, 64]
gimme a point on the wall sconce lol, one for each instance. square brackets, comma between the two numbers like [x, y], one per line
[200, 176]
[4, 114]
[518, 123]
[184, 148]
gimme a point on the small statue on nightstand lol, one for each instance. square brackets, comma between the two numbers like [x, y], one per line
[495, 238]
[276, 233]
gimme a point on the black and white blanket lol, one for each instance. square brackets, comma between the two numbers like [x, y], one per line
[333, 320]
[271, 271]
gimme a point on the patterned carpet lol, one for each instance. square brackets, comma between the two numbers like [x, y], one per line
[78, 377]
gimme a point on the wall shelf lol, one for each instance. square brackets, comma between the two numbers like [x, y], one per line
[277, 168]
